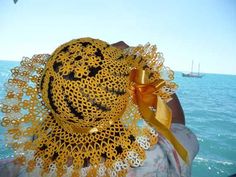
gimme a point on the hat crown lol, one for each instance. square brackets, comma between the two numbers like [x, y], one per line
[84, 84]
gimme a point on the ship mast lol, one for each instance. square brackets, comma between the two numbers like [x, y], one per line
[192, 68]
[198, 69]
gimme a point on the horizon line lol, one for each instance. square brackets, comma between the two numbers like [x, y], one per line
[231, 74]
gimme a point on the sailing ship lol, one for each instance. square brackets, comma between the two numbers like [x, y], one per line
[192, 74]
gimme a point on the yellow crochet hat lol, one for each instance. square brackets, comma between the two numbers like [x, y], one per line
[87, 109]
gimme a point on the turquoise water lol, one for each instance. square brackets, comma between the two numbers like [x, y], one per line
[209, 105]
[210, 109]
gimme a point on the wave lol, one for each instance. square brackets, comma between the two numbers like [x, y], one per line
[201, 159]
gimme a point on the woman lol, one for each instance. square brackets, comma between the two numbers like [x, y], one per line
[95, 110]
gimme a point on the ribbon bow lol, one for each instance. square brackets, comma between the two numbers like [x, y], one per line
[144, 95]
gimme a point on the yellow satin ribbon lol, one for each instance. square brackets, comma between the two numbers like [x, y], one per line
[143, 94]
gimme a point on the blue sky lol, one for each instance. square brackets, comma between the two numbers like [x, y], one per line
[184, 30]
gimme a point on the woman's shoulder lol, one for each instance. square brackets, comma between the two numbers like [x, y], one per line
[162, 160]
[187, 138]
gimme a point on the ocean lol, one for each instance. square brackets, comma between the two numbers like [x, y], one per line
[209, 104]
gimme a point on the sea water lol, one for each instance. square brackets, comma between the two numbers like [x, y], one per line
[209, 104]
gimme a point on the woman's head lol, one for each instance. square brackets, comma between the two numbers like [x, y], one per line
[82, 107]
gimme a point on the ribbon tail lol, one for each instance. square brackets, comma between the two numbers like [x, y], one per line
[163, 114]
[183, 153]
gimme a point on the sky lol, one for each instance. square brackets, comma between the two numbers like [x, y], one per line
[184, 30]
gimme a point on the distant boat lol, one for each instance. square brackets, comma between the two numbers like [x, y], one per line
[192, 74]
